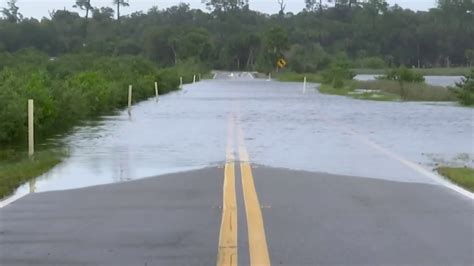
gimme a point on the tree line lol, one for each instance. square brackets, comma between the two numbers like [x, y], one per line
[368, 34]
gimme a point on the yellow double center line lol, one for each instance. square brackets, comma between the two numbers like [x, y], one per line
[258, 249]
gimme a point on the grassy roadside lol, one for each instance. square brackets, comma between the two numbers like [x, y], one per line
[207, 75]
[17, 168]
[453, 71]
[350, 91]
[297, 77]
[410, 92]
[461, 176]
[385, 90]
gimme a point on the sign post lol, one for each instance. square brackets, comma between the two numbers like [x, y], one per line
[130, 100]
[31, 128]
[304, 84]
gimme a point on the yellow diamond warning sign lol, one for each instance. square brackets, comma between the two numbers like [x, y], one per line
[281, 63]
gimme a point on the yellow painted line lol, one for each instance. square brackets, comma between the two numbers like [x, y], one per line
[227, 250]
[258, 248]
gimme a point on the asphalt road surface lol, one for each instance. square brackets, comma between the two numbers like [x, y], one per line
[240, 212]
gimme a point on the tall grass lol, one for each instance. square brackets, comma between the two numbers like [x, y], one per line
[17, 168]
[411, 91]
[452, 71]
[74, 87]
[298, 77]
[462, 176]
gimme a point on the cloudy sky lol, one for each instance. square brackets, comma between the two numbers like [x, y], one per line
[40, 8]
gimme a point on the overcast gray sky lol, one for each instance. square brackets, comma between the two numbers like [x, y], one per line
[40, 8]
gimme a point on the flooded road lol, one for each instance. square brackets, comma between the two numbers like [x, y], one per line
[283, 127]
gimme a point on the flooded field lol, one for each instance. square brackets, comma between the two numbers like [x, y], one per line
[283, 127]
[444, 81]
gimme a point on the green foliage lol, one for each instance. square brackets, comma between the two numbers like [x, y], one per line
[350, 92]
[452, 71]
[17, 168]
[410, 91]
[371, 63]
[75, 87]
[403, 74]
[310, 58]
[465, 89]
[470, 56]
[232, 36]
[298, 77]
[337, 73]
[462, 176]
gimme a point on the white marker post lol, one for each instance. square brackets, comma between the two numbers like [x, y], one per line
[31, 128]
[181, 82]
[194, 79]
[156, 91]
[130, 99]
[269, 76]
[304, 85]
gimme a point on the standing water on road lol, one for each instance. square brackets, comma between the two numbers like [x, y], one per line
[282, 126]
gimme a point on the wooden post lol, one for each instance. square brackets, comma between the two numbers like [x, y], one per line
[130, 99]
[304, 85]
[31, 128]
[156, 91]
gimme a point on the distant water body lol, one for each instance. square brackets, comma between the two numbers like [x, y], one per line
[444, 81]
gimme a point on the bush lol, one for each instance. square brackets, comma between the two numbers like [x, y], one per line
[73, 87]
[465, 89]
[337, 74]
[409, 92]
[404, 74]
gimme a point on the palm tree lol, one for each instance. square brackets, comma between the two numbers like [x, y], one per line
[84, 5]
[120, 3]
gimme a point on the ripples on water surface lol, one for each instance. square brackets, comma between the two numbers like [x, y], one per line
[282, 126]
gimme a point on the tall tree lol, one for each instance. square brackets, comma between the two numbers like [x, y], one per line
[375, 8]
[118, 4]
[282, 5]
[11, 12]
[225, 5]
[314, 5]
[84, 5]
[310, 5]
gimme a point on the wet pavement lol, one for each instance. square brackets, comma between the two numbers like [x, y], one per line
[284, 128]
[340, 182]
[310, 219]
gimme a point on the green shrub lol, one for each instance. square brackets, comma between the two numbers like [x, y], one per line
[74, 87]
[403, 74]
[465, 89]
[337, 74]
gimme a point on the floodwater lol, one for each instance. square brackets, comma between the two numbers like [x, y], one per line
[444, 81]
[282, 126]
